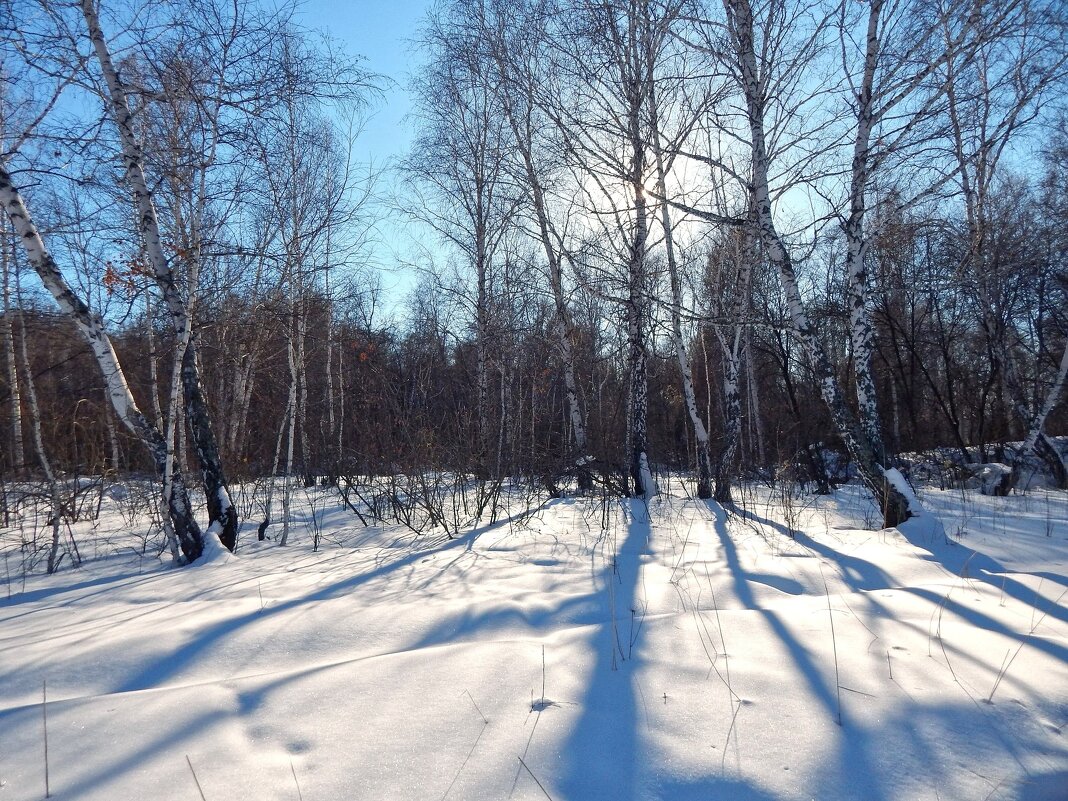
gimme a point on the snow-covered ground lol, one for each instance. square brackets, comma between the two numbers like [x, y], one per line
[589, 650]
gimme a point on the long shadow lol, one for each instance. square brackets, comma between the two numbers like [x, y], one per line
[863, 576]
[99, 584]
[859, 574]
[853, 749]
[169, 665]
[602, 751]
[963, 561]
[92, 774]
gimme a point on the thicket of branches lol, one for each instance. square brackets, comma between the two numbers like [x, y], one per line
[661, 235]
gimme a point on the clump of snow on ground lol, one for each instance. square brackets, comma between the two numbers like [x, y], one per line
[596, 649]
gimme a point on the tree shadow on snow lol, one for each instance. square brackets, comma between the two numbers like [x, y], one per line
[602, 752]
[863, 576]
[855, 765]
[171, 664]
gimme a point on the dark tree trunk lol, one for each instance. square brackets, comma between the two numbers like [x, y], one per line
[217, 495]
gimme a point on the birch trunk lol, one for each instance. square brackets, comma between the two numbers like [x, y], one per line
[704, 466]
[1036, 440]
[755, 413]
[38, 445]
[565, 327]
[306, 467]
[892, 503]
[92, 329]
[522, 129]
[637, 314]
[217, 495]
[746, 256]
[482, 344]
[637, 305]
[8, 267]
[732, 416]
[862, 337]
[291, 409]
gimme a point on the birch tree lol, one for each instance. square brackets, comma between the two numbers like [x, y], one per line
[752, 74]
[92, 329]
[664, 150]
[458, 158]
[993, 98]
[178, 303]
[602, 57]
[8, 267]
[515, 37]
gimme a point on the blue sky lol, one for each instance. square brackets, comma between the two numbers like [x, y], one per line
[378, 30]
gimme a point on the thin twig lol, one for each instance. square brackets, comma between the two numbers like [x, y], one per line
[834, 643]
[543, 673]
[44, 721]
[484, 718]
[199, 788]
[300, 795]
[535, 778]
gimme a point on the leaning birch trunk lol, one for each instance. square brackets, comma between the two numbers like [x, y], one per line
[704, 466]
[8, 267]
[1036, 440]
[92, 329]
[565, 327]
[174, 413]
[892, 503]
[220, 507]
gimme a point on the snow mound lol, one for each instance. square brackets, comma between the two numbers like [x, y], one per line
[215, 553]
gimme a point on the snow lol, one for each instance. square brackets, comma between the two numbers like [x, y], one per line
[215, 553]
[688, 654]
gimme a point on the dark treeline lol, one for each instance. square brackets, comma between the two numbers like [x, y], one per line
[720, 239]
[403, 396]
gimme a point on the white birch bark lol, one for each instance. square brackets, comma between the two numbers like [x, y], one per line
[291, 409]
[755, 414]
[862, 335]
[1036, 440]
[46, 465]
[38, 445]
[523, 132]
[892, 503]
[704, 465]
[8, 267]
[92, 329]
[220, 505]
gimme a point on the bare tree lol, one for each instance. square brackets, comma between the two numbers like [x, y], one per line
[752, 73]
[92, 329]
